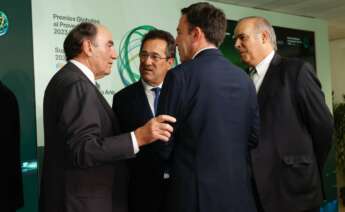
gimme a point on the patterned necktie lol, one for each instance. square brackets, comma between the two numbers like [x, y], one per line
[157, 91]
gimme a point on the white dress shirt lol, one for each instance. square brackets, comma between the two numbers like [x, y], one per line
[150, 94]
[200, 50]
[90, 75]
[261, 70]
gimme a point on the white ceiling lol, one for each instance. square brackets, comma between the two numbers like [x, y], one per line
[333, 11]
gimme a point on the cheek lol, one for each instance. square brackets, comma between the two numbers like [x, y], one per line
[182, 47]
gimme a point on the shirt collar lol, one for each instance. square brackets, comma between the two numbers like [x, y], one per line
[262, 67]
[88, 73]
[148, 87]
[200, 50]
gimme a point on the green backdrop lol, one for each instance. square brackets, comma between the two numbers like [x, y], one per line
[17, 73]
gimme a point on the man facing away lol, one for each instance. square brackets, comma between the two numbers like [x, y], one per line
[135, 105]
[12, 185]
[215, 105]
[82, 140]
[295, 123]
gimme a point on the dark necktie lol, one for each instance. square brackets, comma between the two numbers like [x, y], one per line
[157, 91]
[252, 72]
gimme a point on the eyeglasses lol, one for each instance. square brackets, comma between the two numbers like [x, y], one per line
[154, 56]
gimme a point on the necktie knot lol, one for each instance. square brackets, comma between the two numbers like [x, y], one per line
[252, 72]
[157, 91]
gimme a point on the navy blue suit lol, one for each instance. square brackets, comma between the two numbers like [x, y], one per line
[145, 179]
[215, 105]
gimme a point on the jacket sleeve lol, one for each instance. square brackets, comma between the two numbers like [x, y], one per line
[170, 103]
[314, 112]
[81, 125]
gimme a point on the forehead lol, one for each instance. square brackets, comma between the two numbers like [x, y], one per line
[103, 34]
[183, 22]
[244, 27]
[155, 45]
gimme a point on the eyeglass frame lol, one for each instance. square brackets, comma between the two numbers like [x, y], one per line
[154, 56]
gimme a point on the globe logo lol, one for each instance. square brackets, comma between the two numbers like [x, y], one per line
[3, 23]
[128, 61]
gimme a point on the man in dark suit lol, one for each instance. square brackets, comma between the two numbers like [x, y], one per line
[83, 147]
[12, 186]
[134, 106]
[214, 103]
[296, 125]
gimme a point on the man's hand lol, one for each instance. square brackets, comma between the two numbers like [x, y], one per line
[155, 129]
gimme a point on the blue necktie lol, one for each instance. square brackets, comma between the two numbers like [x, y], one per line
[157, 91]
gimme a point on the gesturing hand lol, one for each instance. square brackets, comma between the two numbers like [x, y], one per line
[155, 129]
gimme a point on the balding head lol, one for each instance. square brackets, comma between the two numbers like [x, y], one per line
[254, 39]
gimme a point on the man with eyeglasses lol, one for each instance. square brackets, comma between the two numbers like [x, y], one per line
[85, 150]
[296, 125]
[135, 105]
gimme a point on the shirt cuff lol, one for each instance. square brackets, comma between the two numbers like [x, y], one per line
[135, 143]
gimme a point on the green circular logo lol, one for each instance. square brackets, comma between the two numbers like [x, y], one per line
[3, 23]
[128, 61]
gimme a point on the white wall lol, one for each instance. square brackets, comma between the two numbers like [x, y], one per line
[123, 15]
[338, 68]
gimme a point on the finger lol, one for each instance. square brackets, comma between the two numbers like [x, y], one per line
[163, 138]
[164, 126]
[162, 135]
[166, 118]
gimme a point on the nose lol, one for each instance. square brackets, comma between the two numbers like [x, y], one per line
[177, 40]
[237, 43]
[146, 60]
[113, 54]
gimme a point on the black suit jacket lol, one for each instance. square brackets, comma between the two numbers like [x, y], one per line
[146, 170]
[215, 105]
[81, 153]
[12, 185]
[295, 137]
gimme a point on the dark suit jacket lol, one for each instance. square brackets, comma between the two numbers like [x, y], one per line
[295, 137]
[146, 170]
[12, 185]
[81, 155]
[215, 105]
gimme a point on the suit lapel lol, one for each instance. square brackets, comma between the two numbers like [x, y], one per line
[141, 102]
[272, 81]
[99, 95]
[104, 103]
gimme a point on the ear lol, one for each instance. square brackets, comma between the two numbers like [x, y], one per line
[265, 36]
[87, 47]
[171, 61]
[197, 33]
